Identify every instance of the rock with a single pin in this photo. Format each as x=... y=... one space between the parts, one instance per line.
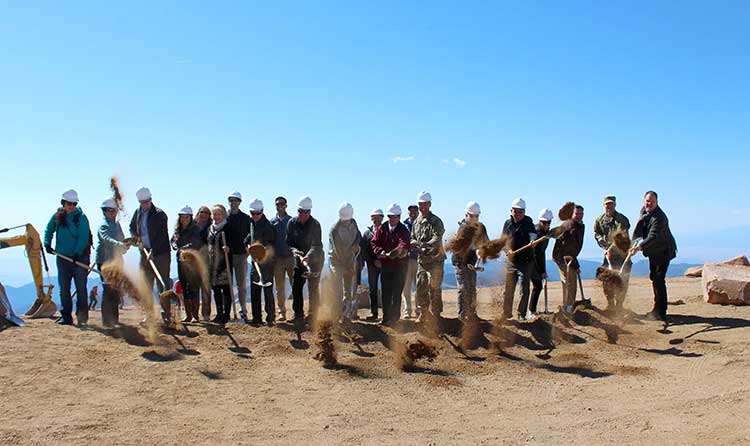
x=694 y=271
x=726 y=284
x=697 y=271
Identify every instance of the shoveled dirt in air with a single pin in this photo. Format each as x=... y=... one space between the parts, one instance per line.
x=590 y=378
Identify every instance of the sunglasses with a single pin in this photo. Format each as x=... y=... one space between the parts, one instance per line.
x=302 y=211
x=67 y=203
x=256 y=213
x=204 y=212
x=108 y=209
x=234 y=200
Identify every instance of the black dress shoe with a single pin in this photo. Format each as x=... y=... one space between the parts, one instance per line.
x=62 y=321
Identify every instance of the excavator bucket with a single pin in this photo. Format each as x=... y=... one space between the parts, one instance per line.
x=42 y=308
x=7 y=315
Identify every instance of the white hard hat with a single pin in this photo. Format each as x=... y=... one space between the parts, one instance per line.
x=394 y=209
x=70 y=195
x=109 y=203
x=236 y=195
x=472 y=208
x=305 y=203
x=346 y=211
x=376 y=212
x=187 y=210
x=256 y=205
x=545 y=215
x=424 y=197
x=518 y=203
x=143 y=194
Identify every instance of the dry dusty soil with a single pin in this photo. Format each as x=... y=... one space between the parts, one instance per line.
x=591 y=379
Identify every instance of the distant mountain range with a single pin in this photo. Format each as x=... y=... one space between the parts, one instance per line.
x=23 y=297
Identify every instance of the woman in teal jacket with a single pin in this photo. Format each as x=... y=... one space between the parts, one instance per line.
x=70 y=228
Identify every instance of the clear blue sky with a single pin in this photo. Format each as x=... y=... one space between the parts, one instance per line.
x=552 y=101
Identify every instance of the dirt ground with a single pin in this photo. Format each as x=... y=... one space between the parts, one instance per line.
x=594 y=379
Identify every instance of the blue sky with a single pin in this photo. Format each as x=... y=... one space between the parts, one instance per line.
x=485 y=101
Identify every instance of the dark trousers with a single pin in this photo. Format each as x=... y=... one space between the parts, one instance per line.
x=373 y=274
x=267 y=292
x=298 y=284
x=66 y=272
x=190 y=282
x=110 y=305
x=162 y=262
x=658 y=281
x=537 y=286
x=223 y=301
x=514 y=272
x=392 y=278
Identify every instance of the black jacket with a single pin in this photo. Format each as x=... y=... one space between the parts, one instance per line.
x=658 y=243
x=261 y=231
x=238 y=227
x=540 y=257
x=519 y=234
x=569 y=243
x=158 y=233
x=189 y=236
x=306 y=239
x=366 y=252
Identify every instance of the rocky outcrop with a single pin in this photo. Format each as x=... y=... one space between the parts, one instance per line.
x=697 y=271
x=726 y=284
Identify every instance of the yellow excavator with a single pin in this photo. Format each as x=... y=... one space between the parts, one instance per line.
x=43 y=305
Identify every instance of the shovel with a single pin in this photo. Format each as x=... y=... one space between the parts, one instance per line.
x=154 y=269
x=258 y=252
x=88 y=268
x=546 y=299
x=229 y=274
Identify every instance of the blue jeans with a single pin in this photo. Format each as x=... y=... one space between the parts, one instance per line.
x=66 y=272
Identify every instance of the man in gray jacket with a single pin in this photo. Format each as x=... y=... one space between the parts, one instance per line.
x=343 y=241
x=110 y=249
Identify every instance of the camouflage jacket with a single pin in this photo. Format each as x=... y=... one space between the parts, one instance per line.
x=605 y=226
x=427 y=234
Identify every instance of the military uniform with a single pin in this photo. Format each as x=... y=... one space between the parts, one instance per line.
x=604 y=227
x=427 y=234
x=466 y=276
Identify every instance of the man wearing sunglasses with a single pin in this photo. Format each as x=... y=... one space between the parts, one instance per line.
x=304 y=238
x=427 y=237
x=110 y=249
x=283 y=260
x=70 y=227
x=238 y=227
x=263 y=232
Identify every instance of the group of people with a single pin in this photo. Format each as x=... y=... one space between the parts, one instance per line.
x=398 y=255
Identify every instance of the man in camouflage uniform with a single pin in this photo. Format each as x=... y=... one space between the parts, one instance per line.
x=605 y=226
x=427 y=237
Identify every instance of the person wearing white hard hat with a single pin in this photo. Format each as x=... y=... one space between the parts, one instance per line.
x=464 y=265
x=520 y=231
x=238 y=227
x=391 y=246
x=411 y=269
x=565 y=254
x=371 y=260
x=427 y=237
x=261 y=232
x=187 y=235
x=283 y=260
x=70 y=228
x=149 y=224
x=343 y=249
x=305 y=239
x=111 y=248
x=539 y=273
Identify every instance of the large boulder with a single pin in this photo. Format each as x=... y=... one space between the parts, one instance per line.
x=697 y=271
x=726 y=284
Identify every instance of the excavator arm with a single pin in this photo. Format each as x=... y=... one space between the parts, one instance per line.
x=43 y=305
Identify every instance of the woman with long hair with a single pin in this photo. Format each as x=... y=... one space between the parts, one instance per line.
x=187 y=236
x=218 y=267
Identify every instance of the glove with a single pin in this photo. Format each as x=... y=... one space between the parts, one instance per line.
x=49 y=249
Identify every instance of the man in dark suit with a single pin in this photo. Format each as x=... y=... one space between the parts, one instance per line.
x=659 y=246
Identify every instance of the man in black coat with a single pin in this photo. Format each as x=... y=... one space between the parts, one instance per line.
x=520 y=230
x=263 y=232
x=149 y=223
x=238 y=227
x=659 y=246
x=305 y=239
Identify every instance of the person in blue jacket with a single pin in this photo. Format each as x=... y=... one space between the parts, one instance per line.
x=70 y=228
